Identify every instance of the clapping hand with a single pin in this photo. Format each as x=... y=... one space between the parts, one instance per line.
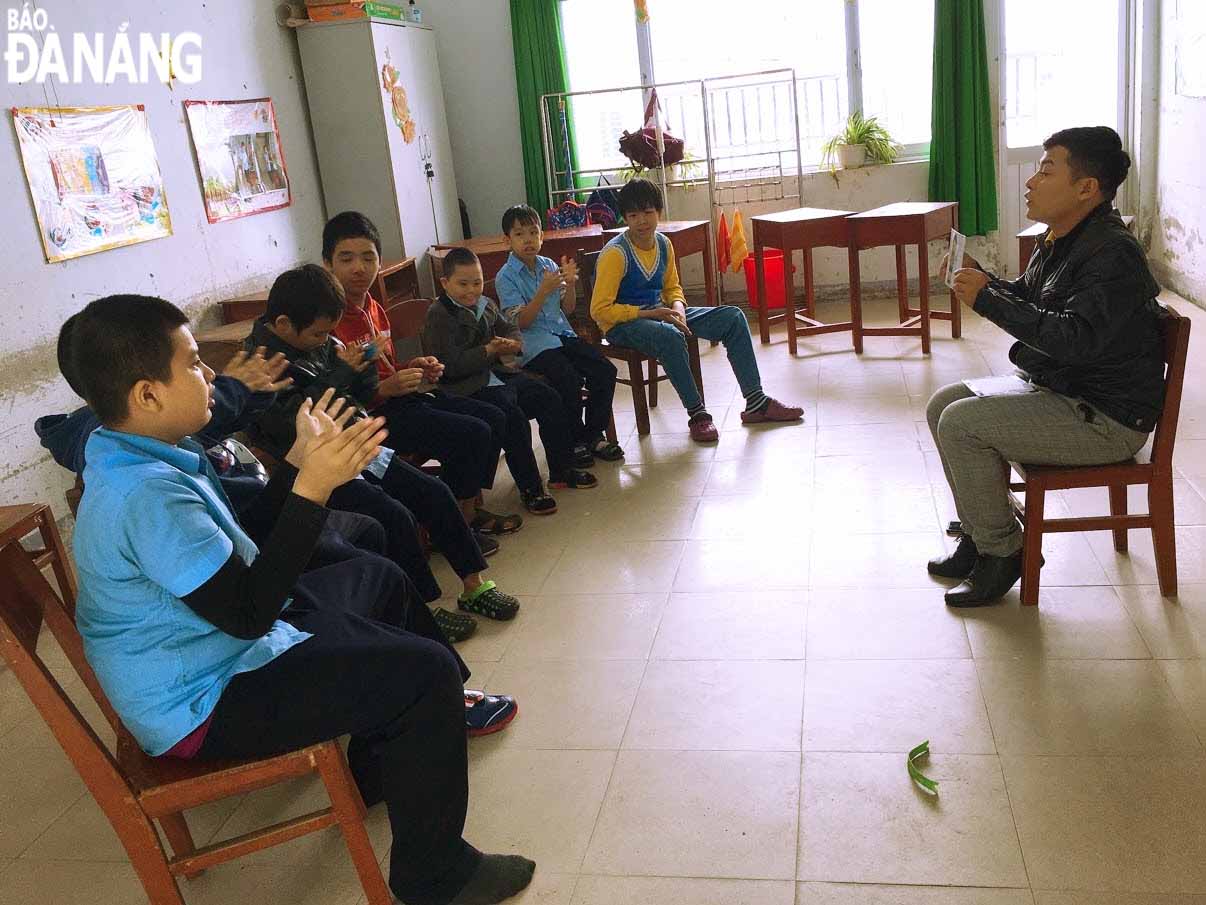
x=332 y=453
x=257 y=373
x=353 y=356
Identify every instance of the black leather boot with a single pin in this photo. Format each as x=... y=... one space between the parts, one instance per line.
x=958 y=564
x=989 y=581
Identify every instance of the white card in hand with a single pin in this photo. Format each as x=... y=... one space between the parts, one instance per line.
x=954 y=260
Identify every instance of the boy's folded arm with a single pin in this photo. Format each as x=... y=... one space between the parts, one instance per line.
x=438 y=341
x=604 y=309
x=245 y=600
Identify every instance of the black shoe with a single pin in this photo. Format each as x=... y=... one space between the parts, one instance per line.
x=606 y=450
x=572 y=479
x=537 y=502
x=989 y=581
x=485 y=543
x=582 y=457
x=958 y=564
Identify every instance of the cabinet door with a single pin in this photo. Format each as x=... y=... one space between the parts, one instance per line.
x=397 y=86
x=434 y=127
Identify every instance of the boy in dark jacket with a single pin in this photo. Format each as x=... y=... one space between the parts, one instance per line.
x=304 y=306
x=477 y=345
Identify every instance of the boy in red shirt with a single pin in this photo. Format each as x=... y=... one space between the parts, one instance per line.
x=423 y=420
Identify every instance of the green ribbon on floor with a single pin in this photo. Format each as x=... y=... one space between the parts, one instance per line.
x=915 y=774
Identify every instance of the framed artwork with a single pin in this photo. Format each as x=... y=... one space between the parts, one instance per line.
x=239 y=156
x=93 y=176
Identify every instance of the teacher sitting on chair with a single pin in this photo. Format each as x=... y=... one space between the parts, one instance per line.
x=1088 y=358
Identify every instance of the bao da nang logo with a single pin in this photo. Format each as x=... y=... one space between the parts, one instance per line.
x=35 y=51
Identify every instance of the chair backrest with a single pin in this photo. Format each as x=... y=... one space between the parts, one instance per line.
x=406 y=318
x=24 y=591
x=1175 y=328
x=588 y=262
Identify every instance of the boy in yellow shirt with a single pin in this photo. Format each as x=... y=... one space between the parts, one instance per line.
x=638 y=302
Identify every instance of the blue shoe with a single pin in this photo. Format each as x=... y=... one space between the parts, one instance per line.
x=487 y=713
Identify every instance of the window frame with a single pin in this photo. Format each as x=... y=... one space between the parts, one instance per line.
x=913 y=151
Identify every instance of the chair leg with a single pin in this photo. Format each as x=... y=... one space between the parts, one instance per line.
x=349 y=808
x=141 y=842
x=653 y=382
x=1164 y=538
x=1118 y=507
x=175 y=827
x=636 y=375
x=1032 y=545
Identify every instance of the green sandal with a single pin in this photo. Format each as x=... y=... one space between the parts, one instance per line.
x=488 y=522
x=455 y=626
x=490 y=602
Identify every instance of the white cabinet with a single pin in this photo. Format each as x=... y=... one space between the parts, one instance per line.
x=377 y=115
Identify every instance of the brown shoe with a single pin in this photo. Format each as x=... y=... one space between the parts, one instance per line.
x=774 y=411
x=702 y=429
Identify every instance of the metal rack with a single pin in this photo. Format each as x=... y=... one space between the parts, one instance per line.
x=748 y=126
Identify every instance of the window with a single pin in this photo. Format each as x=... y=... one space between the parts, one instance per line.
x=889 y=55
x=1052 y=83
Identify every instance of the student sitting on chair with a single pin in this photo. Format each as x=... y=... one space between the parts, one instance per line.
x=1089 y=356
x=538 y=294
x=638 y=302
x=211 y=647
x=304 y=307
x=423 y=419
x=475 y=343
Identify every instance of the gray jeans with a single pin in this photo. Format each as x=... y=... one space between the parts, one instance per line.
x=977 y=436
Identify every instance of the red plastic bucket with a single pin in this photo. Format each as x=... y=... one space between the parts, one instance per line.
x=772 y=266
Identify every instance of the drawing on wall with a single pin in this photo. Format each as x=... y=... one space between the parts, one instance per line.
x=240 y=157
x=1191 y=48
x=93 y=176
x=398 y=100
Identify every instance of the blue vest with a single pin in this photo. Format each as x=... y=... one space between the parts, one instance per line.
x=639 y=286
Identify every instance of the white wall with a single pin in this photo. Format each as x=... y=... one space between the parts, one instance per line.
x=477 y=67
x=1178 y=231
x=245 y=54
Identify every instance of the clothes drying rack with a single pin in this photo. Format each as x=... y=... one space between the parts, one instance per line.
x=747 y=126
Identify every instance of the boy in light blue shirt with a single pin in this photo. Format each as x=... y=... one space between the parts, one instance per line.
x=210 y=647
x=536 y=294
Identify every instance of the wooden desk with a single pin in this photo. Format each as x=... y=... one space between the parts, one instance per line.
x=687 y=237
x=494 y=250
x=901 y=224
x=804 y=228
x=1029 y=238
x=217 y=347
x=244 y=307
x=397 y=281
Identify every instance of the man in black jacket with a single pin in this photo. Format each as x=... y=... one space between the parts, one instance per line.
x=1089 y=356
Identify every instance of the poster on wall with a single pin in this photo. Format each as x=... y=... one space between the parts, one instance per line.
x=240 y=157
x=93 y=176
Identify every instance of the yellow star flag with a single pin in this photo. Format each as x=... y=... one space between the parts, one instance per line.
x=738 y=249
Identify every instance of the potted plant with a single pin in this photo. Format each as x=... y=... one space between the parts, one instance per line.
x=861 y=140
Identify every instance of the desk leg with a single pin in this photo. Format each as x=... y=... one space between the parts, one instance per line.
x=902 y=284
x=789 y=297
x=923 y=278
x=760 y=286
x=709 y=270
x=856 y=300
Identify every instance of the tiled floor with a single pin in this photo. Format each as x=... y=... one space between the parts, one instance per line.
x=723 y=655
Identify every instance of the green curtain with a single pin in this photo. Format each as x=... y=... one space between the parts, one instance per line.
x=962 y=162
x=540 y=69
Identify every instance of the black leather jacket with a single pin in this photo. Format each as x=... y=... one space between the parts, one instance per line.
x=1087 y=321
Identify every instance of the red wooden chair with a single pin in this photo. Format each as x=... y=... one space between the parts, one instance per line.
x=1153 y=466
x=135 y=790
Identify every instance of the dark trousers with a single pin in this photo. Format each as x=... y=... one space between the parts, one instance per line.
x=377 y=669
x=405 y=498
x=447 y=428
x=521 y=398
x=567 y=369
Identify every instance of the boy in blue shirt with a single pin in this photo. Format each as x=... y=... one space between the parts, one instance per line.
x=193 y=630
x=537 y=295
